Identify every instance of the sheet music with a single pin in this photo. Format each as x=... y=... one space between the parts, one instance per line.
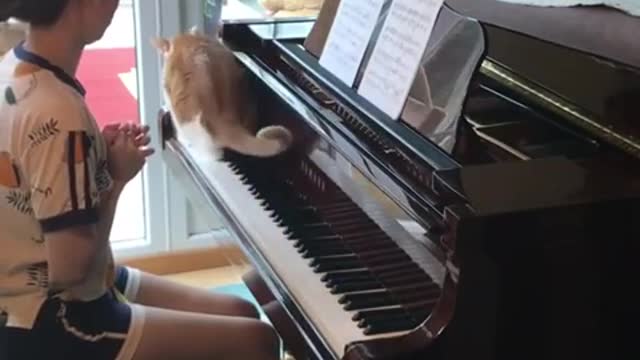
x=348 y=38
x=396 y=57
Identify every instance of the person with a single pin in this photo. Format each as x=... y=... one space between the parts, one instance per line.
x=61 y=295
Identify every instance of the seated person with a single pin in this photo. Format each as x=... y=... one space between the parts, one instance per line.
x=61 y=295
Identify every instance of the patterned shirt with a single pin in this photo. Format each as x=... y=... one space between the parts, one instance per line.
x=53 y=169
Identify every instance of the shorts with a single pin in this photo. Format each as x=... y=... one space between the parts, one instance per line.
x=103 y=329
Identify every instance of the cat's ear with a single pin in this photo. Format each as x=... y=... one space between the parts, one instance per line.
x=162 y=44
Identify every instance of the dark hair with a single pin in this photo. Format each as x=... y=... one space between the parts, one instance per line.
x=34 y=12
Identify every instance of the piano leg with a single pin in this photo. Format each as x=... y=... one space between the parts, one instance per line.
x=291 y=337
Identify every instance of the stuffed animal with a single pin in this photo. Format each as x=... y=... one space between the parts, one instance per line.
x=11 y=33
x=281 y=8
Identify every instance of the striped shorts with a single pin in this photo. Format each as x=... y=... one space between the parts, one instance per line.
x=102 y=329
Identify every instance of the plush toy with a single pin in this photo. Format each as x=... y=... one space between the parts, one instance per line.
x=281 y=8
x=11 y=33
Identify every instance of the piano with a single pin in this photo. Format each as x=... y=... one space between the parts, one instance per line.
x=497 y=219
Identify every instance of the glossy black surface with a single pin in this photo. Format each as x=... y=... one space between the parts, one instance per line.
x=535 y=185
x=534 y=219
x=606 y=91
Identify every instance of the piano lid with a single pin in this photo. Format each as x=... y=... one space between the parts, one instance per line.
x=601 y=31
x=579 y=65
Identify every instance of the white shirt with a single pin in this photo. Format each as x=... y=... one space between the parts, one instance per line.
x=52 y=170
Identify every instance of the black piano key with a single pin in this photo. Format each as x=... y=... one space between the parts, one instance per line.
x=329 y=264
x=341 y=239
x=311 y=244
x=390 y=326
x=379 y=313
x=347 y=287
x=338 y=277
x=309 y=230
x=359 y=301
x=315 y=253
x=334 y=259
x=387 y=318
x=419 y=310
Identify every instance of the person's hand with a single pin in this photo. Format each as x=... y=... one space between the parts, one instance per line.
x=140 y=133
x=126 y=157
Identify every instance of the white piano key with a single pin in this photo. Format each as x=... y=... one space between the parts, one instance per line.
x=331 y=321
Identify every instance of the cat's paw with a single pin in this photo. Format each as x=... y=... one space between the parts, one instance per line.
x=278 y=133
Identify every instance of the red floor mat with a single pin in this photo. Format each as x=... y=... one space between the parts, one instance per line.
x=107 y=96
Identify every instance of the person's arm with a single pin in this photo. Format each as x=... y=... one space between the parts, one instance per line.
x=107 y=210
x=59 y=163
x=109 y=201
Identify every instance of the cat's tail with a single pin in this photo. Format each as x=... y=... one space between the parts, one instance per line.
x=269 y=141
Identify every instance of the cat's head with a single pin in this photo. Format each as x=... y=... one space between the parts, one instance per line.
x=179 y=43
x=192 y=63
x=186 y=56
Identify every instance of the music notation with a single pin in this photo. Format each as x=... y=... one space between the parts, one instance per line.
x=348 y=38
x=397 y=55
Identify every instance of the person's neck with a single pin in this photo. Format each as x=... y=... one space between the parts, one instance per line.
x=57 y=46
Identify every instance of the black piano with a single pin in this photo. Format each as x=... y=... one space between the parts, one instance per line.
x=499 y=218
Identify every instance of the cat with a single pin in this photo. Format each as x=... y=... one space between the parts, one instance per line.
x=209 y=98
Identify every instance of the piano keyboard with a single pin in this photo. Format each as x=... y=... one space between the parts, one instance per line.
x=353 y=282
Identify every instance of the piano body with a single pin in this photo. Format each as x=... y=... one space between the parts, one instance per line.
x=498 y=219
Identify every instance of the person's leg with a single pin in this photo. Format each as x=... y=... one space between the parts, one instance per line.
x=171 y=334
x=151 y=290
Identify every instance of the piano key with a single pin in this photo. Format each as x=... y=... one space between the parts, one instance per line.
x=365 y=300
x=306 y=287
x=325 y=251
x=338 y=258
x=347 y=275
x=337 y=263
x=419 y=310
x=400 y=324
x=379 y=319
x=356 y=286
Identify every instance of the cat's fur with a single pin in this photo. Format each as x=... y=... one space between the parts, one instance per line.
x=210 y=100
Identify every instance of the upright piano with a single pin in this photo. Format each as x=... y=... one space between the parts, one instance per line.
x=499 y=218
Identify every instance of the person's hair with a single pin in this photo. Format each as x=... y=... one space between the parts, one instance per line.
x=34 y=12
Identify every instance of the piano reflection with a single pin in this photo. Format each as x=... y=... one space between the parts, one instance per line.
x=496 y=219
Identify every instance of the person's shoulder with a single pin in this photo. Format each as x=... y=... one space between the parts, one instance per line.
x=42 y=97
x=49 y=93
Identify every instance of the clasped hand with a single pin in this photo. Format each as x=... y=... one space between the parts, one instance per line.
x=128 y=149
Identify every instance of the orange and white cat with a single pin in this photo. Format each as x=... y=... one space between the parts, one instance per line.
x=210 y=101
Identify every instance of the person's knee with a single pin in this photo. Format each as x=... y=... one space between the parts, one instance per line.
x=244 y=308
x=265 y=337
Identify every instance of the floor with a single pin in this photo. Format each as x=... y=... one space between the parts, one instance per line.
x=211 y=277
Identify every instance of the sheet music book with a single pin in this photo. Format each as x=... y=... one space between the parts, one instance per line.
x=397 y=55
x=349 y=36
